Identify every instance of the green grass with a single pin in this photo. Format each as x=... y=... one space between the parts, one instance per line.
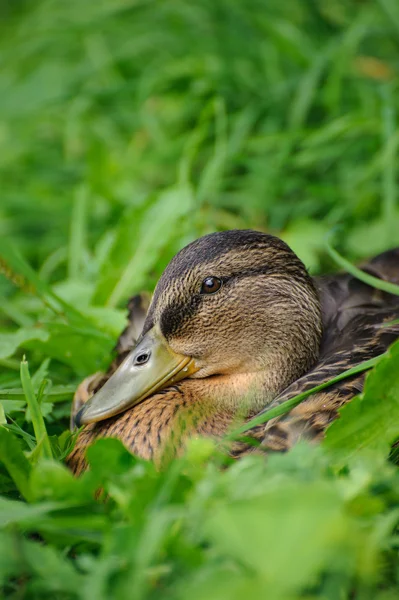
x=127 y=129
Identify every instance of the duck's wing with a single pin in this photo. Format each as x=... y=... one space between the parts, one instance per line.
x=343 y=297
x=367 y=336
x=137 y=310
x=358 y=325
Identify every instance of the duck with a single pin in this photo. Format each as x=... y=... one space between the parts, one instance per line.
x=236 y=326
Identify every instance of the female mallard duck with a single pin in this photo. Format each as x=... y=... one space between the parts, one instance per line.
x=237 y=325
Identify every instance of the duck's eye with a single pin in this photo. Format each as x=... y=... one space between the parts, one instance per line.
x=210 y=285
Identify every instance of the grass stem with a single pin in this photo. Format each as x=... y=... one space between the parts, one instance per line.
x=36 y=414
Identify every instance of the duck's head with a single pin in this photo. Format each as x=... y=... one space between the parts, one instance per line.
x=237 y=308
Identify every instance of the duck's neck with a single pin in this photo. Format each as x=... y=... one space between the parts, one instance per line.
x=162 y=423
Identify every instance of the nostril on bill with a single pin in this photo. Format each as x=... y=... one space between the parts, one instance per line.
x=77 y=418
x=142 y=358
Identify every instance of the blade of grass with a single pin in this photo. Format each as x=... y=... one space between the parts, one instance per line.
x=41 y=373
x=52 y=262
x=3 y=420
x=77 y=233
x=285 y=407
x=375 y=282
x=57 y=394
x=210 y=179
x=156 y=228
x=391 y=9
x=36 y=415
x=42 y=392
x=19 y=432
x=388 y=173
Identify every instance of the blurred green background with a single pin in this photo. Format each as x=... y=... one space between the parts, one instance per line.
x=129 y=128
x=273 y=115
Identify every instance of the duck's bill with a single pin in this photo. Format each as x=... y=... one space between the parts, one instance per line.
x=151 y=366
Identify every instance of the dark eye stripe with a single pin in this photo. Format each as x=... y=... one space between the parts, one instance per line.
x=211 y=285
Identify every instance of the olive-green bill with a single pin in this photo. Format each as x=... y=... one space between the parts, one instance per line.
x=151 y=366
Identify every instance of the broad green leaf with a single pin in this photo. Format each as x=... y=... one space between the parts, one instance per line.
x=52 y=570
x=14 y=512
x=271 y=534
x=368 y=239
x=85 y=350
x=110 y=320
x=64 y=521
x=10 y=563
x=10 y=406
x=108 y=457
x=370 y=422
x=10 y=342
x=306 y=238
x=52 y=481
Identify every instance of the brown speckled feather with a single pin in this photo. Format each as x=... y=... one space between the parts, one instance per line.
x=310 y=418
